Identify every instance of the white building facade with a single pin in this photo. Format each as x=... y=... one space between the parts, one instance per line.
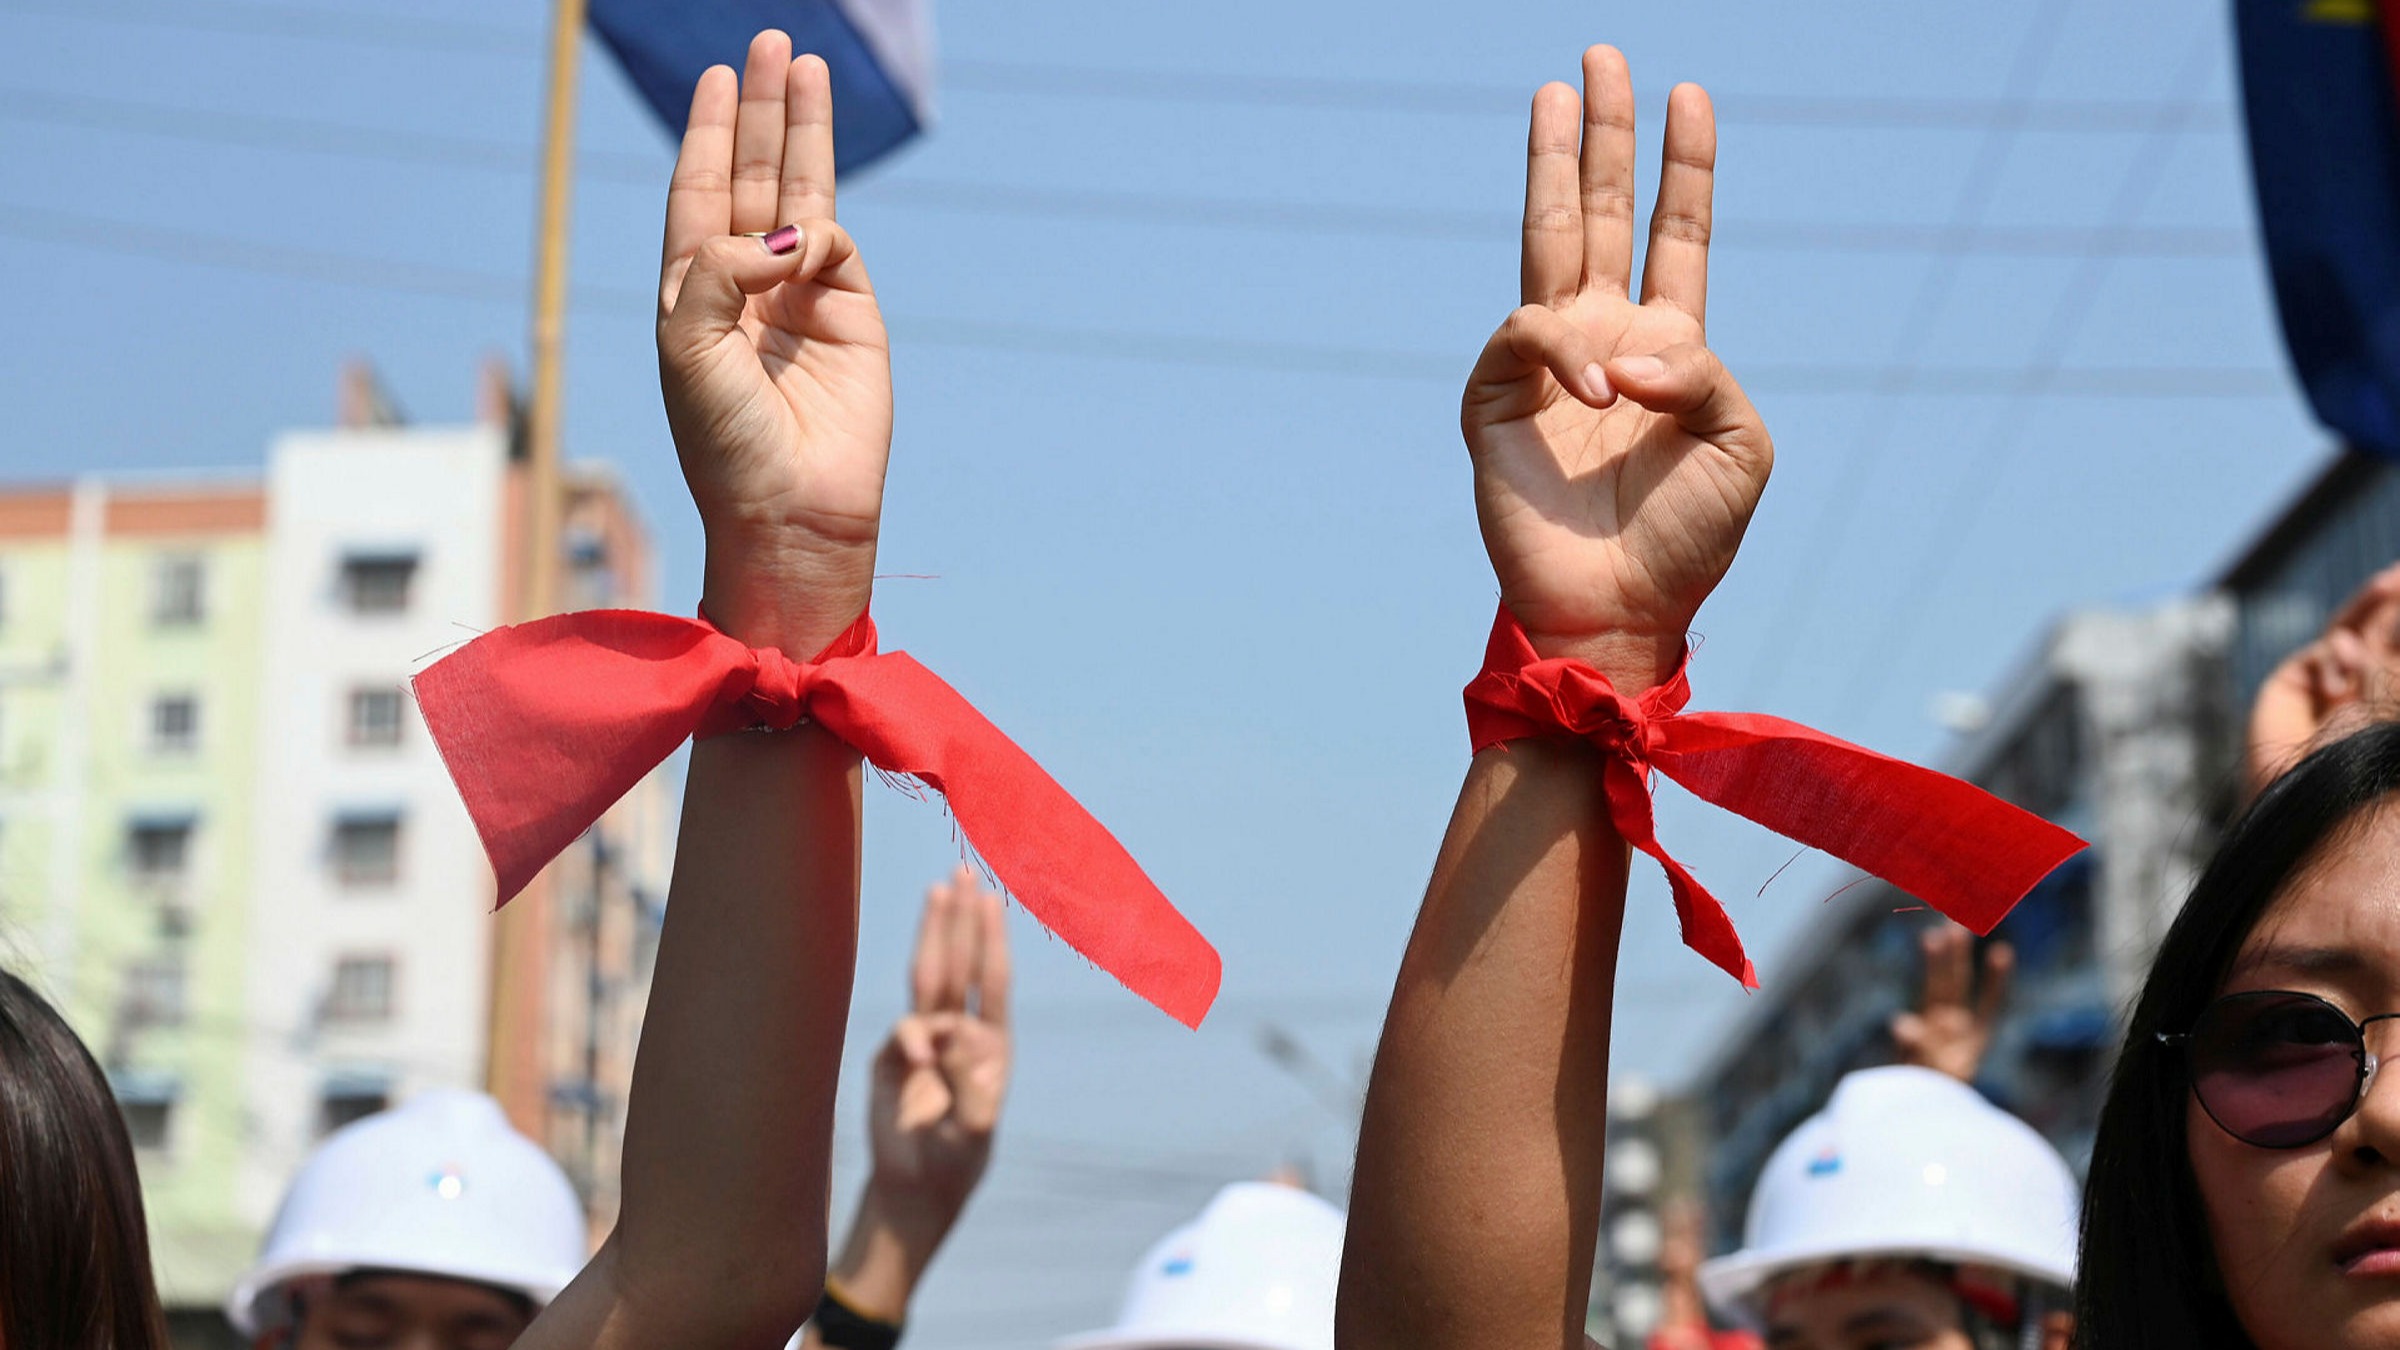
x=372 y=901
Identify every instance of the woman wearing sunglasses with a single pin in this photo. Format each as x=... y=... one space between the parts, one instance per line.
x=2245 y=1181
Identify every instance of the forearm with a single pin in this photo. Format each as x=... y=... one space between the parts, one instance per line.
x=721 y=1238
x=891 y=1240
x=1476 y=1200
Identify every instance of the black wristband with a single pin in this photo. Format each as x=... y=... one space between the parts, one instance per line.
x=846 y=1328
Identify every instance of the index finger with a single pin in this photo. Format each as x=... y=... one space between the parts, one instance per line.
x=1552 y=268
x=926 y=972
x=700 y=194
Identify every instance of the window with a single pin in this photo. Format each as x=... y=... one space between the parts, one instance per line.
x=147 y=1100
x=350 y=1098
x=159 y=850
x=375 y=716
x=177 y=586
x=377 y=583
x=366 y=849
x=174 y=724
x=153 y=995
x=362 y=990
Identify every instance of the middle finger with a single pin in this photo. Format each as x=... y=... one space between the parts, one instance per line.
x=758 y=134
x=1605 y=171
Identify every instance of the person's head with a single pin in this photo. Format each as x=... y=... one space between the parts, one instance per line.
x=432 y=1226
x=1893 y=1303
x=1256 y=1271
x=1910 y=1212
x=403 y=1310
x=74 y=1251
x=2236 y=1199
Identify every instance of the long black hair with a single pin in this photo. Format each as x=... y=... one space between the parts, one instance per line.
x=2147 y=1276
x=74 y=1250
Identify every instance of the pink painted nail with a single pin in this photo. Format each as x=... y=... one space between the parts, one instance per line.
x=780 y=242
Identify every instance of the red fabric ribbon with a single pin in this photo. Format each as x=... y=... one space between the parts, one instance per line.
x=544 y=725
x=1949 y=843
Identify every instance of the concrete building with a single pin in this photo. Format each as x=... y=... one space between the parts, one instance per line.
x=2123 y=725
x=228 y=850
x=129 y=633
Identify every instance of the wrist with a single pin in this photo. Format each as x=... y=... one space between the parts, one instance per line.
x=1633 y=662
x=786 y=596
x=893 y=1237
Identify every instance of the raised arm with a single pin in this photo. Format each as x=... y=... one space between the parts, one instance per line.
x=940 y=1079
x=1616 y=467
x=778 y=391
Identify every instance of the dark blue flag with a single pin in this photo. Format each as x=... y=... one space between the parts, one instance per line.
x=879 y=52
x=2325 y=153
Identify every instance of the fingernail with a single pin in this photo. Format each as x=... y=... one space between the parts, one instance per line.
x=780 y=242
x=1641 y=367
x=1595 y=380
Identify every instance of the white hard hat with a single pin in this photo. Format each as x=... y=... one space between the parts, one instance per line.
x=439 y=1185
x=1256 y=1271
x=1906 y=1163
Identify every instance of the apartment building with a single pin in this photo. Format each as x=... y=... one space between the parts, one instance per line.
x=230 y=854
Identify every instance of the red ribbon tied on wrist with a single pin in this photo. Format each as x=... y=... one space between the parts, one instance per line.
x=544 y=725
x=1958 y=848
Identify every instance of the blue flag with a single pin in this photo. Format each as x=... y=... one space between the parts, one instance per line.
x=2317 y=86
x=880 y=52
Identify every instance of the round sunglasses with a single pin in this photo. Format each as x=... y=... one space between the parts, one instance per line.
x=2277 y=1069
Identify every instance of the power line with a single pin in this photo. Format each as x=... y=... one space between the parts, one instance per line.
x=207 y=126
x=99 y=234
x=1505 y=100
x=261 y=18
x=1914 y=336
x=267 y=18
x=1973 y=493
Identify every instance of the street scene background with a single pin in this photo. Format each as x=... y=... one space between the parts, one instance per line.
x=1181 y=301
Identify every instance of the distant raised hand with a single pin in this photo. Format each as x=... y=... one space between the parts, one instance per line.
x=1952 y=1026
x=939 y=1082
x=2349 y=673
x=1616 y=462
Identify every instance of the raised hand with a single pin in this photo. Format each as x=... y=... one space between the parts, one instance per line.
x=1950 y=1031
x=773 y=356
x=1616 y=463
x=942 y=1074
x=938 y=1085
x=2347 y=674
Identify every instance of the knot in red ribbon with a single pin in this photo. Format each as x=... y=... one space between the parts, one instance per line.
x=771 y=691
x=1959 y=849
x=775 y=701
x=544 y=725
x=1589 y=708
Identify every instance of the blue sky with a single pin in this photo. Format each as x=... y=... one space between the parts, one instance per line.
x=1179 y=333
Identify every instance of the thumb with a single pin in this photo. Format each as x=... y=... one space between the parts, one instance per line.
x=910 y=1045
x=1533 y=339
x=706 y=302
x=1688 y=383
